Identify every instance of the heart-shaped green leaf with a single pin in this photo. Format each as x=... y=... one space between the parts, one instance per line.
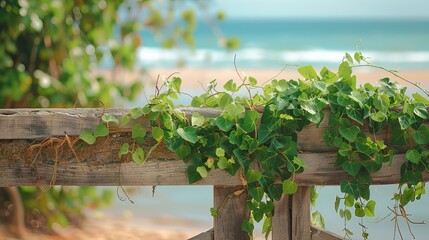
x=87 y=136
x=188 y=133
x=157 y=133
x=349 y=133
x=138 y=156
x=289 y=187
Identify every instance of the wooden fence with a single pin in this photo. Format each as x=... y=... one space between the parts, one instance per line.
x=36 y=150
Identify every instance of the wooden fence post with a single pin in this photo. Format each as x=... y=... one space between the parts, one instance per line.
x=282 y=219
x=301 y=214
x=233 y=210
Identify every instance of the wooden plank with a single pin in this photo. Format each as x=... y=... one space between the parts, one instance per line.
x=318 y=233
x=232 y=205
x=301 y=214
x=282 y=222
x=30 y=123
x=99 y=166
x=47 y=122
x=209 y=235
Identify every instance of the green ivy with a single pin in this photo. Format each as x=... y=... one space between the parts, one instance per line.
x=264 y=144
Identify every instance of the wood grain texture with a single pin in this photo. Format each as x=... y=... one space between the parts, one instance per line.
x=29 y=123
x=232 y=209
x=301 y=214
x=282 y=222
x=318 y=233
x=98 y=165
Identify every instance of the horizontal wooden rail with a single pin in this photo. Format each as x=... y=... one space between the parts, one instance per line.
x=98 y=165
x=26 y=161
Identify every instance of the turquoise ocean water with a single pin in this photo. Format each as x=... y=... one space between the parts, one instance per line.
x=272 y=44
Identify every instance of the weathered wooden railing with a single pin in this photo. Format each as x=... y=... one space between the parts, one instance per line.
x=36 y=150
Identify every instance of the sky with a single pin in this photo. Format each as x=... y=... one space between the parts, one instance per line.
x=361 y=9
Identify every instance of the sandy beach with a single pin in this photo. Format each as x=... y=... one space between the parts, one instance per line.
x=197 y=78
x=114 y=228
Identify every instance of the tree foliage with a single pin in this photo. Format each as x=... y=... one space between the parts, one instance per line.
x=48 y=51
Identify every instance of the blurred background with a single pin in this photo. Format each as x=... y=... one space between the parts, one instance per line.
x=111 y=53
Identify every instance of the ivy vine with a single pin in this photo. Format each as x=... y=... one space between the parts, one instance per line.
x=256 y=136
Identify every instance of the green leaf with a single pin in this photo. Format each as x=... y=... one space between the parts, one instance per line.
x=328 y=76
x=202 y=171
x=289 y=187
x=188 y=133
x=349 y=133
x=197 y=119
x=183 y=151
x=138 y=132
x=337 y=203
x=214 y=212
x=413 y=156
x=358 y=97
x=355 y=114
x=421 y=111
x=350 y=187
x=359 y=211
x=276 y=191
x=248 y=123
x=422 y=135
x=309 y=106
x=257 y=193
x=223 y=163
x=321 y=86
x=136 y=112
x=350 y=233
x=308 y=72
x=230 y=86
x=87 y=136
x=419 y=98
x=405 y=121
x=351 y=167
x=125 y=120
x=225 y=100
x=157 y=133
x=220 y=152
x=107 y=118
x=349 y=200
x=234 y=110
x=138 y=156
x=358 y=56
x=192 y=174
x=381 y=103
x=252 y=175
x=378 y=116
x=101 y=130
x=124 y=149
x=370 y=209
x=349 y=58
x=298 y=161
x=317 y=219
x=224 y=124
x=347 y=214
x=252 y=81
x=175 y=84
x=345 y=149
x=247 y=227
x=267 y=226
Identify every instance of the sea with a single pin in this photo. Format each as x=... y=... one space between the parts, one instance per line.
x=396 y=44
x=393 y=44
